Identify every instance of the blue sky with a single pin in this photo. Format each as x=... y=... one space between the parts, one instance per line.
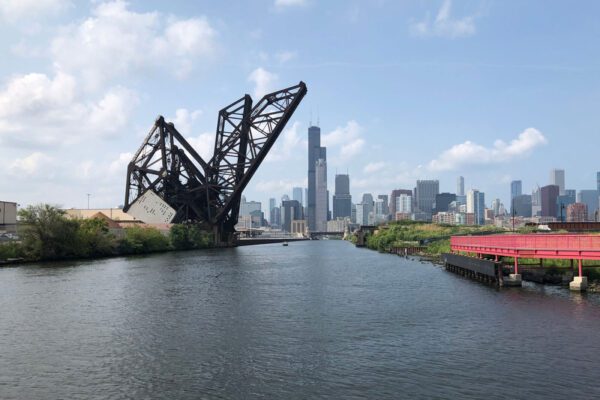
x=491 y=90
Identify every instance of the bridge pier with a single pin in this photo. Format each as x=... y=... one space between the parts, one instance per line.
x=515 y=278
x=579 y=283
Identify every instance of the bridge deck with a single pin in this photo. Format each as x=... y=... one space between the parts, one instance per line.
x=554 y=246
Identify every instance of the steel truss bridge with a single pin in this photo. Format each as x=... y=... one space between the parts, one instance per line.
x=209 y=192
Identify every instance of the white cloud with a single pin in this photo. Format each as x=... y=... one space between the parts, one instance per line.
x=279 y=185
x=469 y=153
x=351 y=149
x=24 y=10
x=286 y=56
x=29 y=165
x=289 y=3
x=116 y=41
x=289 y=145
x=204 y=145
x=264 y=81
x=374 y=167
x=184 y=120
x=444 y=25
x=347 y=137
x=119 y=165
x=38 y=110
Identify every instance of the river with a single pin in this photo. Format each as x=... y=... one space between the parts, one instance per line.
x=318 y=319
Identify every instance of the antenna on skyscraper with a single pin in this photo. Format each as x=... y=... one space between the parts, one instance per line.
x=318 y=122
x=310 y=122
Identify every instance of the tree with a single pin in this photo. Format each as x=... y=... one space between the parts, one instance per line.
x=48 y=234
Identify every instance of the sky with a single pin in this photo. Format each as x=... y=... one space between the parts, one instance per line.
x=402 y=90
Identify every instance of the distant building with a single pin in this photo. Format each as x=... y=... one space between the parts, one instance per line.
x=404 y=204
x=460 y=186
x=496 y=207
x=394 y=196
x=536 y=202
x=8 y=216
x=275 y=217
x=516 y=189
x=298 y=227
x=557 y=177
x=342 y=200
x=426 y=191
x=590 y=198
x=577 y=212
x=385 y=207
x=338 y=225
x=443 y=200
x=247 y=207
x=291 y=211
x=322 y=197
x=379 y=210
x=598 y=181
x=315 y=153
x=297 y=195
x=362 y=213
x=402 y=216
x=476 y=206
x=522 y=206
x=562 y=201
x=549 y=195
x=272 y=205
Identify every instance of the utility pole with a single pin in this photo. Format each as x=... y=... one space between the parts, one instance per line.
x=512 y=209
x=88 y=196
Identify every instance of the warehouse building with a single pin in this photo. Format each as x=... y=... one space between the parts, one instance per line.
x=8 y=216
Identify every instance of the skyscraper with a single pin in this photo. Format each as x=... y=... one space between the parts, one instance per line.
x=460 y=186
x=342 y=200
x=522 y=206
x=549 y=194
x=591 y=199
x=425 y=194
x=315 y=153
x=443 y=200
x=322 y=197
x=516 y=189
x=536 y=201
x=291 y=210
x=385 y=207
x=598 y=181
x=297 y=194
x=557 y=177
x=476 y=205
x=271 y=207
x=393 y=198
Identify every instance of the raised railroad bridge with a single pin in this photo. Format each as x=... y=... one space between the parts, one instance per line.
x=577 y=247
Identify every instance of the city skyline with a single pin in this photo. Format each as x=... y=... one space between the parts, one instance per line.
x=73 y=111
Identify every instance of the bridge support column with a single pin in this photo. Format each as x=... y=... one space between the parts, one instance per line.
x=514 y=279
x=579 y=283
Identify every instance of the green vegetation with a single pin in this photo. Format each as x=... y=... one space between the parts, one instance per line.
x=436 y=238
x=189 y=236
x=48 y=234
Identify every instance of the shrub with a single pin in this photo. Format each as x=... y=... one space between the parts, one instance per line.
x=140 y=240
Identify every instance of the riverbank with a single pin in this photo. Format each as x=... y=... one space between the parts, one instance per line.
x=429 y=241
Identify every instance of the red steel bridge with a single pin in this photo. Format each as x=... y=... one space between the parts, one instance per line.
x=539 y=246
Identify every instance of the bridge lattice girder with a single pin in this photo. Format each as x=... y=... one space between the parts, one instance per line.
x=210 y=192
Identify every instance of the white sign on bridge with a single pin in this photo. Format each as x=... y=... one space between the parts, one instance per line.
x=151 y=209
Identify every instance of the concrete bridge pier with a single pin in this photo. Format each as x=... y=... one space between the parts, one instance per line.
x=514 y=279
x=579 y=283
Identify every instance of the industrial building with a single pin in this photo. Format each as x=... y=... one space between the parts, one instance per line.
x=8 y=216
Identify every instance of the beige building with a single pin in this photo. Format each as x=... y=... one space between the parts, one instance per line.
x=298 y=227
x=116 y=214
x=8 y=216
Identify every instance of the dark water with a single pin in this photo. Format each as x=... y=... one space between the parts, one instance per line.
x=312 y=320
